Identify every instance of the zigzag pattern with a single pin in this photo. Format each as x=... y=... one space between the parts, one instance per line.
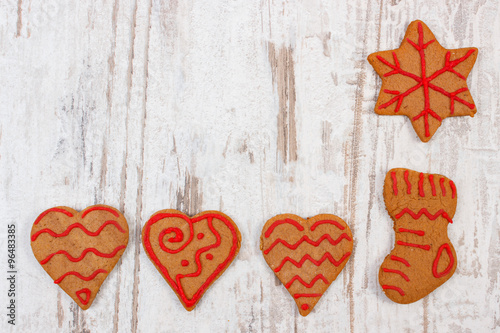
x=307 y=257
x=423 y=211
x=308 y=240
x=77 y=225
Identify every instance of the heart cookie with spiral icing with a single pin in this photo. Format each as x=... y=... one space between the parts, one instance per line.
x=79 y=249
x=191 y=252
x=306 y=255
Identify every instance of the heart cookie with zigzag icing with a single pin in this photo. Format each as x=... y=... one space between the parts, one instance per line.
x=79 y=249
x=306 y=255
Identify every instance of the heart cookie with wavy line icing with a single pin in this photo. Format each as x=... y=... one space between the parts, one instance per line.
x=79 y=249
x=306 y=255
x=191 y=252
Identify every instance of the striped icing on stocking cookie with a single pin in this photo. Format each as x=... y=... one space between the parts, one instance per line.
x=422 y=206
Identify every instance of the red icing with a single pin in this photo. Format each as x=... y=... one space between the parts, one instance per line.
x=58 y=210
x=443 y=190
x=317 y=242
x=306 y=257
x=393 y=92
x=175 y=284
x=421 y=185
x=200 y=235
x=395 y=258
x=210 y=256
x=396 y=272
x=335 y=223
x=84 y=253
x=394 y=183
x=270 y=230
x=184 y=263
x=453 y=189
x=423 y=247
x=306 y=295
x=307 y=285
x=78 y=275
x=399 y=290
x=108 y=209
x=435 y=272
x=77 y=225
x=433 y=187
x=416 y=232
x=408 y=185
x=179 y=236
x=423 y=211
x=85 y=291
x=424 y=81
x=308 y=240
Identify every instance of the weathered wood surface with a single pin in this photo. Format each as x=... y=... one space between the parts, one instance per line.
x=252 y=108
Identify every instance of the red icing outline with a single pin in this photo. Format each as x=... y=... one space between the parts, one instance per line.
x=306 y=295
x=423 y=247
x=179 y=236
x=443 y=189
x=399 y=290
x=108 y=209
x=87 y=293
x=55 y=209
x=394 y=183
x=81 y=277
x=453 y=189
x=421 y=185
x=387 y=270
x=84 y=253
x=408 y=191
x=404 y=261
x=270 y=230
x=77 y=225
x=333 y=222
x=416 y=232
x=307 y=285
x=422 y=211
x=446 y=247
x=433 y=187
x=306 y=257
x=176 y=286
x=305 y=238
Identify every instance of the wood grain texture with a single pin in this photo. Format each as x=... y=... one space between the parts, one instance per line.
x=254 y=109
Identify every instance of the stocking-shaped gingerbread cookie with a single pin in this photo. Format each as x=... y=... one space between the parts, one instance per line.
x=422 y=206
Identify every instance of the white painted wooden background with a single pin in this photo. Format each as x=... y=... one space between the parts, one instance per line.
x=254 y=108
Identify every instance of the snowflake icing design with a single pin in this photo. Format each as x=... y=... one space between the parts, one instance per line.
x=445 y=88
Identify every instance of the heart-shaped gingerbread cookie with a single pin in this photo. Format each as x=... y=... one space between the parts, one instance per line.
x=191 y=252
x=79 y=249
x=306 y=255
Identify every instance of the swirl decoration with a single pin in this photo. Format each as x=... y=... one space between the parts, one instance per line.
x=176 y=238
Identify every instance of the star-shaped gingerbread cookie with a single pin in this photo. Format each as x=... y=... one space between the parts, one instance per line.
x=424 y=81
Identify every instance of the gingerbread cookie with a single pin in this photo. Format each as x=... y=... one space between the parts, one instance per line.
x=191 y=252
x=422 y=206
x=79 y=249
x=424 y=81
x=306 y=255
